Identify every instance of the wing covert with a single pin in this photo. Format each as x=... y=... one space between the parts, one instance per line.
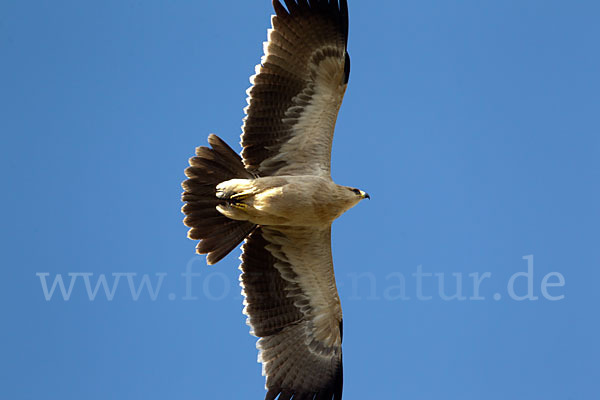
x=297 y=90
x=293 y=307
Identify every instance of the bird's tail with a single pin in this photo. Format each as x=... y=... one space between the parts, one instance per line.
x=218 y=234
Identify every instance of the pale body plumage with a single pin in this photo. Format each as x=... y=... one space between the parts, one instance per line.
x=286 y=200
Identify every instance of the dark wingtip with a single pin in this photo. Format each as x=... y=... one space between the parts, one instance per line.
x=291 y=5
x=345 y=20
x=344 y=16
x=280 y=10
x=347 y=68
x=331 y=392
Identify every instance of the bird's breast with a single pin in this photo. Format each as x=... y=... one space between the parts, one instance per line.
x=294 y=201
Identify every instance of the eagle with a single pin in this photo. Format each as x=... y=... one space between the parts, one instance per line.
x=279 y=198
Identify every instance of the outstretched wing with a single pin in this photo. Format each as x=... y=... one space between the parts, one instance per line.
x=297 y=90
x=293 y=306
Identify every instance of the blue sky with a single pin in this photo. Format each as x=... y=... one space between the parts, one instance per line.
x=473 y=125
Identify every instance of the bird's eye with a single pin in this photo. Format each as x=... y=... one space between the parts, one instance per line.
x=356 y=191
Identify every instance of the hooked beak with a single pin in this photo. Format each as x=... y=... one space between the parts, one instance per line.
x=365 y=195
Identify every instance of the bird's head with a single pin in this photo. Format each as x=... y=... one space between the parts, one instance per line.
x=346 y=197
x=352 y=196
x=359 y=194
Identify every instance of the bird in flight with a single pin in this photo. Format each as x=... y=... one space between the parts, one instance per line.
x=279 y=198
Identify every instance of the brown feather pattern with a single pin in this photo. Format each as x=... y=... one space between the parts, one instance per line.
x=307 y=40
x=280 y=314
x=218 y=234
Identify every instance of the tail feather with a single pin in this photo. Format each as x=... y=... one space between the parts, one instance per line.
x=218 y=245
x=218 y=234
